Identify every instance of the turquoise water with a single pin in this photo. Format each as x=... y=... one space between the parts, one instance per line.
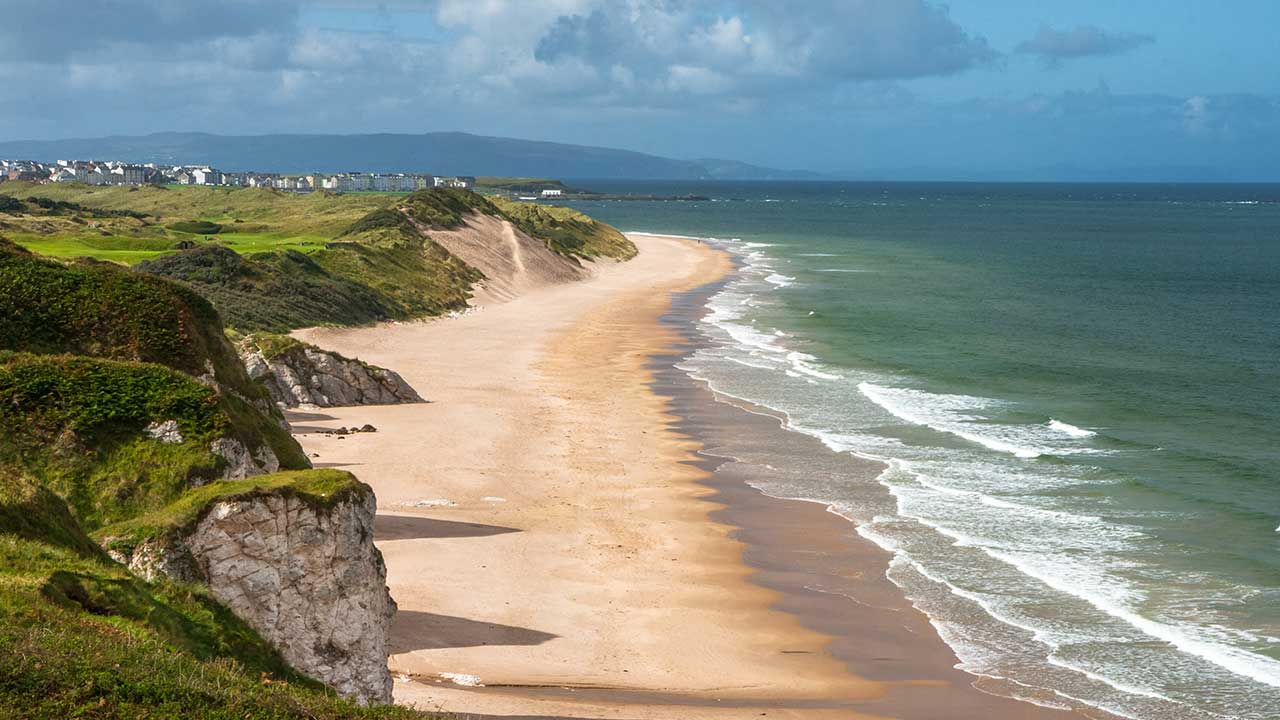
x=1077 y=391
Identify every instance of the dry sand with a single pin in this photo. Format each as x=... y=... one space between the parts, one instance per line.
x=545 y=530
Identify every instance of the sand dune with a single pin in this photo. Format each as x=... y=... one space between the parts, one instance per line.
x=515 y=266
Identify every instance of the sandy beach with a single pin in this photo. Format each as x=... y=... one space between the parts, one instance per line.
x=558 y=548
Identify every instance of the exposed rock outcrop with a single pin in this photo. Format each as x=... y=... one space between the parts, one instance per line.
x=305 y=575
x=241 y=463
x=301 y=374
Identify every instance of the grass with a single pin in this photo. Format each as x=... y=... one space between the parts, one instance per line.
x=317 y=488
x=414 y=277
x=445 y=207
x=76 y=424
x=122 y=250
x=518 y=184
x=272 y=345
x=281 y=261
x=101 y=310
x=82 y=637
x=252 y=219
x=196 y=227
x=276 y=291
x=568 y=231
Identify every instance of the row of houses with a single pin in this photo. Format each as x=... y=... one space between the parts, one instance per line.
x=114 y=172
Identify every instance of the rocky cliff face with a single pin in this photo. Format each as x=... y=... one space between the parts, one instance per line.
x=306 y=375
x=306 y=577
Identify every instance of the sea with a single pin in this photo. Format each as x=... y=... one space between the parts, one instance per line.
x=1075 y=392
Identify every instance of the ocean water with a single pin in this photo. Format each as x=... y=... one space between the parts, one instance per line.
x=1076 y=391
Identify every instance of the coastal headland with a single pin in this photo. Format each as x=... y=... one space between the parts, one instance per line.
x=559 y=548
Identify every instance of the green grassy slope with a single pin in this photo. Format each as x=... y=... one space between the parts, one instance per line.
x=103 y=310
x=77 y=424
x=276 y=261
x=567 y=231
x=275 y=291
x=90 y=355
x=82 y=637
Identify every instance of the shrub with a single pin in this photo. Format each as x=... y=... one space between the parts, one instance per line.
x=196 y=227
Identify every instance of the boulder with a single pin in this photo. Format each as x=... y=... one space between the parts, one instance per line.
x=302 y=374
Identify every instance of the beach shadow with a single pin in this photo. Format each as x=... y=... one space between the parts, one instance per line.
x=413 y=630
x=401 y=527
x=297 y=429
x=295 y=416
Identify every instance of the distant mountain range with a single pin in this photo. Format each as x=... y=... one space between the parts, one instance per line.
x=441 y=153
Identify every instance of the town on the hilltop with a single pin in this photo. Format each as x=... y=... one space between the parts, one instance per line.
x=115 y=172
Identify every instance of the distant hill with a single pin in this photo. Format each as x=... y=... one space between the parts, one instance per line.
x=443 y=153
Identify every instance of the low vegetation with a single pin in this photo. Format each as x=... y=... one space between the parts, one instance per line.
x=114 y=386
x=80 y=636
x=317 y=488
x=100 y=309
x=275 y=261
x=198 y=227
x=275 y=291
x=567 y=231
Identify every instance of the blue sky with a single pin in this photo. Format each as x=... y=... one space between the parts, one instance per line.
x=858 y=88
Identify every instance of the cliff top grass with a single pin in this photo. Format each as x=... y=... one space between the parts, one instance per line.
x=43 y=397
x=271 y=345
x=320 y=489
x=102 y=310
x=276 y=261
x=78 y=426
x=82 y=637
x=518 y=184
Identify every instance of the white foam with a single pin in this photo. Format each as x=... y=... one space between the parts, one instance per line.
x=461 y=679
x=780 y=280
x=1070 y=429
x=962 y=507
x=802 y=362
x=1236 y=660
x=939 y=412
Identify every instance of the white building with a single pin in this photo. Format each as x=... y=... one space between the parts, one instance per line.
x=128 y=175
x=206 y=176
x=552 y=193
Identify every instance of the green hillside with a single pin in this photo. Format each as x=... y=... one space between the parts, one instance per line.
x=113 y=387
x=275 y=261
x=80 y=636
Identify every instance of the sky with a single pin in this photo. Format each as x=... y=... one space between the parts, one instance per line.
x=1159 y=89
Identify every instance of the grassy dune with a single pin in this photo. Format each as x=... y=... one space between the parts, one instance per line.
x=275 y=261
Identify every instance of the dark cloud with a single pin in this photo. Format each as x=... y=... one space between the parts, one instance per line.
x=1054 y=46
x=49 y=31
